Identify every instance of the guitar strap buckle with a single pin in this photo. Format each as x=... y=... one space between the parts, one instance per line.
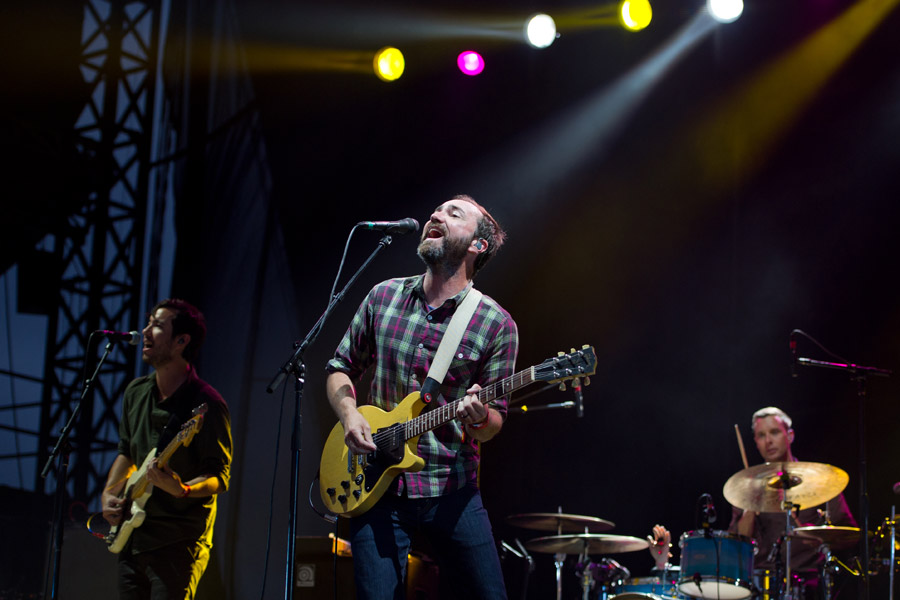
x=429 y=389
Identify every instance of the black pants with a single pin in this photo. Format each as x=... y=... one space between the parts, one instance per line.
x=169 y=573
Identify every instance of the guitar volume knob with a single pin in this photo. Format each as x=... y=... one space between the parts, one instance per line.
x=358 y=480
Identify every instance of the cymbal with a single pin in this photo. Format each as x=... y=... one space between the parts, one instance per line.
x=560 y=522
x=835 y=536
x=591 y=543
x=765 y=487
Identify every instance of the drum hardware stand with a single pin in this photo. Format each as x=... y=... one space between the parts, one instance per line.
x=832 y=565
x=587 y=579
x=521 y=553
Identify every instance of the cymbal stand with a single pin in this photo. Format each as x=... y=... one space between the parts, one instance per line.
x=788 y=527
x=828 y=569
x=587 y=576
x=558 y=559
x=893 y=552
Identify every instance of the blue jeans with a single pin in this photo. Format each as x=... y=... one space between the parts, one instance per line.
x=459 y=530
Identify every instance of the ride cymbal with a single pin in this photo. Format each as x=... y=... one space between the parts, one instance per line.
x=766 y=487
x=560 y=523
x=836 y=536
x=589 y=543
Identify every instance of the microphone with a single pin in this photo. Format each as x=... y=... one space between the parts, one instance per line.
x=579 y=398
x=391 y=227
x=132 y=337
x=711 y=510
x=793 y=344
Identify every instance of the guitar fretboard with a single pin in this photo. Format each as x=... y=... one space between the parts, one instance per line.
x=445 y=414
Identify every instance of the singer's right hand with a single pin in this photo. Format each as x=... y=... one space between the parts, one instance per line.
x=358 y=433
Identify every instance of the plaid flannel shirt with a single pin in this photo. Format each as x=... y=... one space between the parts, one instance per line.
x=397 y=332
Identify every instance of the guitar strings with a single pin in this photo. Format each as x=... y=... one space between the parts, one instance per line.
x=485 y=396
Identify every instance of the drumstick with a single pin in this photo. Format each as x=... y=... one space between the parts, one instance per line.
x=737 y=432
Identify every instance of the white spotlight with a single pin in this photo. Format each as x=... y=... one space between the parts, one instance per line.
x=725 y=11
x=540 y=30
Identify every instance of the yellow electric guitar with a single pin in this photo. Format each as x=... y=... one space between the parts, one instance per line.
x=137 y=488
x=351 y=483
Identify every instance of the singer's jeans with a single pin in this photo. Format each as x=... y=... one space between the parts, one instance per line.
x=459 y=530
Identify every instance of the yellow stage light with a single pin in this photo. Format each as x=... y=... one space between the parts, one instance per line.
x=635 y=14
x=389 y=64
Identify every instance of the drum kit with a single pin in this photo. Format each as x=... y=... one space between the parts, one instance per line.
x=715 y=565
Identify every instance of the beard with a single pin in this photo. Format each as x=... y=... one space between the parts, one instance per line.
x=447 y=256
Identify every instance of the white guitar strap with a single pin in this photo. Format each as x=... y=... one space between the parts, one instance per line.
x=449 y=343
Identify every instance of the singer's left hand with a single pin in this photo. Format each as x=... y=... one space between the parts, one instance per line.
x=470 y=410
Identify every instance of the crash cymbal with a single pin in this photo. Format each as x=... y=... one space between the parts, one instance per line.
x=765 y=487
x=560 y=523
x=835 y=536
x=590 y=543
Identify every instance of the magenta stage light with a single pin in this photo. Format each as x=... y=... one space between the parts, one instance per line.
x=470 y=62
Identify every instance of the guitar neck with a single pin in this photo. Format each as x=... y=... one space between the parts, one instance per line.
x=444 y=414
x=164 y=456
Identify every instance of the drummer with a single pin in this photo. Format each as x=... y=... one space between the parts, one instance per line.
x=773 y=435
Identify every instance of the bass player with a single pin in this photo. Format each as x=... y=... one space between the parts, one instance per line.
x=165 y=556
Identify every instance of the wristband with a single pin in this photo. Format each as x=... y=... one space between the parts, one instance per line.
x=481 y=424
x=185 y=491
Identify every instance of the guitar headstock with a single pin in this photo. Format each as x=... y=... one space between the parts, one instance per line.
x=575 y=364
x=192 y=425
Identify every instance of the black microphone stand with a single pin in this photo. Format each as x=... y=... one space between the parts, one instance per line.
x=859 y=374
x=294 y=366
x=62 y=449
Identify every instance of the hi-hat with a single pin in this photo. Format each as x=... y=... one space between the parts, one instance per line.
x=765 y=488
x=587 y=543
x=836 y=536
x=560 y=523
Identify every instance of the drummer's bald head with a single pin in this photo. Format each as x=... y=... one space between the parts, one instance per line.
x=771 y=411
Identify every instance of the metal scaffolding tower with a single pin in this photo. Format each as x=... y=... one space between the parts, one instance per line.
x=99 y=252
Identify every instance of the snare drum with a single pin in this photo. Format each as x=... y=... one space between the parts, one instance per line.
x=642 y=588
x=716 y=565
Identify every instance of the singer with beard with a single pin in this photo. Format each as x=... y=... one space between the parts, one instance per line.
x=395 y=333
x=165 y=557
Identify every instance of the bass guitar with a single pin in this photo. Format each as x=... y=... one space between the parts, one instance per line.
x=137 y=489
x=350 y=484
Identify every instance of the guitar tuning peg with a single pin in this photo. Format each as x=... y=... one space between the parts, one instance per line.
x=571 y=350
x=560 y=353
x=587 y=381
x=562 y=386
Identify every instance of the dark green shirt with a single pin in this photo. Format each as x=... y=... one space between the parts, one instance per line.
x=144 y=418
